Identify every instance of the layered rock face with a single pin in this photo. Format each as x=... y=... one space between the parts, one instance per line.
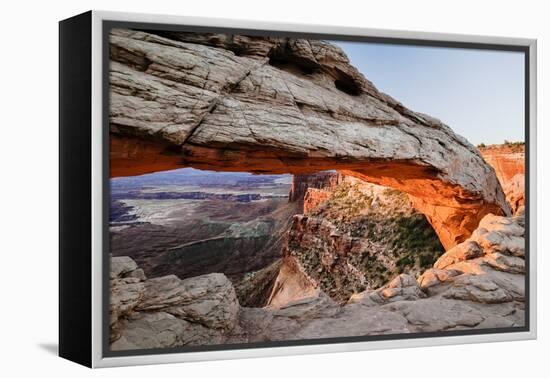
x=478 y=284
x=508 y=161
x=166 y=311
x=314 y=198
x=358 y=236
x=302 y=184
x=280 y=105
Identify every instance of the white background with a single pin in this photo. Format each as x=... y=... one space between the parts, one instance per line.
x=28 y=154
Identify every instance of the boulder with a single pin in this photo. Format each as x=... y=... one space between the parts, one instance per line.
x=510 y=264
x=461 y=252
x=402 y=288
x=434 y=277
x=126 y=295
x=121 y=266
x=209 y=299
x=500 y=234
x=478 y=288
x=161 y=330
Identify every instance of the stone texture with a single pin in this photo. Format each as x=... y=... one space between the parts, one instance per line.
x=125 y=297
x=121 y=266
x=461 y=252
x=508 y=160
x=355 y=323
x=209 y=299
x=477 y=288
x=162 y=330
x=402 y=288
x=314 y=198
x=292 y=284
x=498 y=240
x=436 y=314
x=301 y=184
x=500 y=234
x=434 y=277
x=126 y=291
x=280 y=105
x=286 y=105
x=510 y=264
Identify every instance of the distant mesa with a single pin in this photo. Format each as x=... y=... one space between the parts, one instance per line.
x=197 y=195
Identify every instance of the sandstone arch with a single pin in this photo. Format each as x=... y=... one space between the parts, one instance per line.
x=276 y=105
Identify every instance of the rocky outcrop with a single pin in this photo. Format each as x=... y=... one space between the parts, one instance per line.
x=480 y=284
x=127 y=290
x=256 y=287
x=291 y=284
x=301 y=184
x=314 y=198
x=280 y=105
x=359 y=237
x=508 y=160
x=167 y=311
x=314 y=189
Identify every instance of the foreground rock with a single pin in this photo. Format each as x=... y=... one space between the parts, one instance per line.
x=478 y=284
x=172 y=312
x=279 y=105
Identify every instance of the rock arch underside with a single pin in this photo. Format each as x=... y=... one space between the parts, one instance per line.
x=279 y=105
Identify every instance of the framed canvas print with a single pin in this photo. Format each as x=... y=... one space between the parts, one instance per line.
x=232 y=189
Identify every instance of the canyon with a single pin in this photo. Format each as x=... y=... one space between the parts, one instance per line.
x=475 y=285
x=386 y=220
x=353 y=236
x=189 y=222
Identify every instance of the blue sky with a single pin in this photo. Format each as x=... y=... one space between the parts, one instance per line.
x=478 y=93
